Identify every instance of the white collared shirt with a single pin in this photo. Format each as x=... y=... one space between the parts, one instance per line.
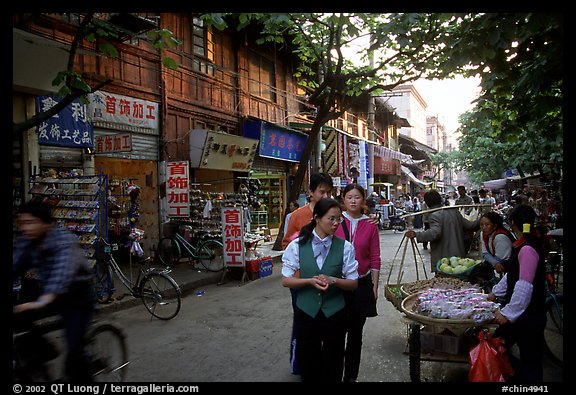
x=291 y=259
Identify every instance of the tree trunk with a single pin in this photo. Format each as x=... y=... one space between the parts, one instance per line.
x=319 y=121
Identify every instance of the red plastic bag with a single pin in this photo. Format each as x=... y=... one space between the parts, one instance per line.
x=504 y=363
x=489 y=361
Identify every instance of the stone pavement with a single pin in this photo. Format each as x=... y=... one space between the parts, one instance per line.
x=189 y=277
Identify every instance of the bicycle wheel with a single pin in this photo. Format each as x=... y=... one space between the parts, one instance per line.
x=169 y=251
x=104 y=285
x=106 y=346
x=554 y=331
x=161 y=295
x=211 y=255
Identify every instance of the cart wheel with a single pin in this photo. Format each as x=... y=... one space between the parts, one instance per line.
x=414 y=352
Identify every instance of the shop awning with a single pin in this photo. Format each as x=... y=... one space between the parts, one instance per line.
x=495 y=184
x=413 y=178
x=387 y=153
x=304 y=125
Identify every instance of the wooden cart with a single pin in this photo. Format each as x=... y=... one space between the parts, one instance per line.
x=446 y=348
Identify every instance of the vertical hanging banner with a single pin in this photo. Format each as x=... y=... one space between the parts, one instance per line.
x=71 y=127
x=233 y=236
x=177 y=191
x=364 y=167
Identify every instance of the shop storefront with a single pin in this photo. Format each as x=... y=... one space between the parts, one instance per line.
x=126 y=147
x=59 y=170
x=279 y=151
x=216 y=177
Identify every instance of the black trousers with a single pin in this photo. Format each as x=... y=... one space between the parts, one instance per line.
x=320 y=346
x=75 y=309
x=293 y=360
x=353 y=352
x=528 y=334
x=426 y=227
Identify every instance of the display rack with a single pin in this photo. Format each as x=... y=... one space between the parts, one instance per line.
x=271 y=194
x=259 y=219
x=119 y=205
x=79 y=205
x=206 y=220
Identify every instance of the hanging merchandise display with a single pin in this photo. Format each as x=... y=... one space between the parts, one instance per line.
x=270 y=195
x=124 y=218
x=79 y=203
x=133 y=214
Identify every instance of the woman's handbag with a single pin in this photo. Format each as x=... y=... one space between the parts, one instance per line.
x=364 y=299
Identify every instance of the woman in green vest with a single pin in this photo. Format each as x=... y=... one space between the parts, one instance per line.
x=327 y=266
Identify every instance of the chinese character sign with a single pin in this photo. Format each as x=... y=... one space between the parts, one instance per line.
x=280 y=143
x=233 y=236
x=123 y=110
x=113 y=143
x=177 y=194
x=71 y=127
x=364 y=164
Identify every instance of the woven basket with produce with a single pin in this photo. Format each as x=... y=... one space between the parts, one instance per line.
x=456 y=267
x=444 y=306
x=435 y=282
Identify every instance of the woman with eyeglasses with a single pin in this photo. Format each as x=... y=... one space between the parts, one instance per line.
x=328 y=267
x=361 y=303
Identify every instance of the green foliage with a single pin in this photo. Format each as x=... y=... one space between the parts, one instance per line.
x=517 y=120
x=520 y=106
x=71 y=82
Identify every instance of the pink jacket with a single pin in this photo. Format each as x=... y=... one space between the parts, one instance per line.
x=366 y=241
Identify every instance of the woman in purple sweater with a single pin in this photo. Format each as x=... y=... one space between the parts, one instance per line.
x=361 y=303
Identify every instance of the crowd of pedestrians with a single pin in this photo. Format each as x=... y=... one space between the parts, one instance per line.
x=332 y=259
x=331 y=265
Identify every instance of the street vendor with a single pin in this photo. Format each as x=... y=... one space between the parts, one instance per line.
x=522 y=318
x=447 y=229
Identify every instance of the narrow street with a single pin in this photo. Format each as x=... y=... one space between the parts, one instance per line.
x=235 y=333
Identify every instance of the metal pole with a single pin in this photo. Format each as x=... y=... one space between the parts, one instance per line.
x=370 y=120
x=318 y=149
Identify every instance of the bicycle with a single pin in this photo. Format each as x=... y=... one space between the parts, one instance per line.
x=554 y=331
x=105 y=345
x=159 y=292
x=209 y=252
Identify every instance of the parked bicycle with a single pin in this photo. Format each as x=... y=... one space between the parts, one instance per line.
x=554 y=331
x=209 y=252
x=159 y=292
x=105 y=345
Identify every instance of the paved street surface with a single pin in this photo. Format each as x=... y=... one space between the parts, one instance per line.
x=234 y=333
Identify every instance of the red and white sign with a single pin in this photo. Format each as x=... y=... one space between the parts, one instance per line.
x=123 y=110
x=233 y=236
x=113 y=143
x=177 y=191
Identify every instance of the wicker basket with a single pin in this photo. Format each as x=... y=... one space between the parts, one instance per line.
x=393 y=294
x=465 y=275
x=407 y=307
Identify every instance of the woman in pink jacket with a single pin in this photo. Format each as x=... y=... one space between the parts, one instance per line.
x=361 y=303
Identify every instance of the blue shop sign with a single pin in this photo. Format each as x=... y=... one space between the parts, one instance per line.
x=69 y=128
x=280 y=143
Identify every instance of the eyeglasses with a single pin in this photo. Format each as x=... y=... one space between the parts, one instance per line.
x=336 y=220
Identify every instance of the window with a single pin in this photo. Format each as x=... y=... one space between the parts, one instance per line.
x=202 y=40
x=262 y=77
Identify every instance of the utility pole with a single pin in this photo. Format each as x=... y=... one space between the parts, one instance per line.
x=370 y=119
x=318 y=160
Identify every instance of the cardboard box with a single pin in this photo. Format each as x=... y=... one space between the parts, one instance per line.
x=266 y=266
x=253 y=265
x=445 y=342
